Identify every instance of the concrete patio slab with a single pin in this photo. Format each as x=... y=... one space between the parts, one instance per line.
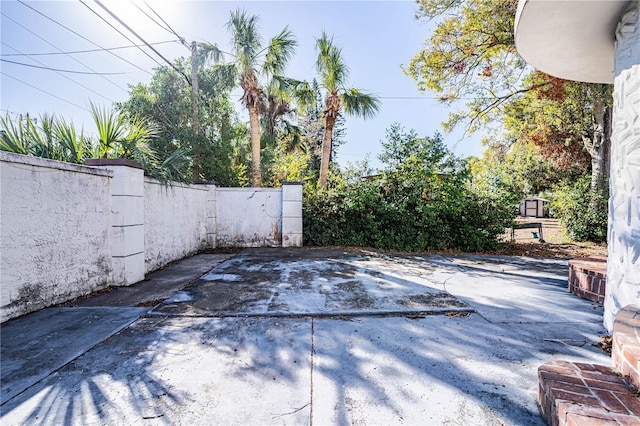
x=401 y=366
x=180 y=371
x=316 y=283
x=157 y=285
x=37 y=345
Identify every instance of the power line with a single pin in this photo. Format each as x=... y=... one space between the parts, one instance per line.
x=429 y=98
x=10 y=112
x=121 y=33
x=70 y=79
x=73 y=52
x=141 y=39
x=182 y=40
x=151 y=18
x=80 y=35
x=61 y=70
x=52 y=45
x=44 y=91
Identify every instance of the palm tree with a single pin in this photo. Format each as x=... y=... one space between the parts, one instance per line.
x=252 y=61
x=333 y=74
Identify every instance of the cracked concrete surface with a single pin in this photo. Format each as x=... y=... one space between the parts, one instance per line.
x=308 y=336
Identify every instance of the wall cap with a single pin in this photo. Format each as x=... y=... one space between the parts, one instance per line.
x=29 y=160
x=113 y=162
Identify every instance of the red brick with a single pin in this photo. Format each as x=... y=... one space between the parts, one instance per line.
x=560 y=367
x=578 y=419
x=631 y=353
x=611 y=402
x=585 y=367
x=552 y=377
x=620 y=386
x=579 y=414
x=572 y=396
x=611 y=377
x=630 y=401
x=628 y=420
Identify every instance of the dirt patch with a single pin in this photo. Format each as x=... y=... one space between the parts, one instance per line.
x=556 y=242
x=439 y=300
x=605 y=344
x=350 y=295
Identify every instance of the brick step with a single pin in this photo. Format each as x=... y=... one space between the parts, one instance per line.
x=588 y=277
x=572 y=394
x=625 y=351
x=585 y=394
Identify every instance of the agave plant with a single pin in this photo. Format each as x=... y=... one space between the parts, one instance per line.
x=12 y=135
x=74 y=147
x=111 y=130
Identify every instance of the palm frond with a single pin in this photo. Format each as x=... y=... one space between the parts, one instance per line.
x=304 y=94
x=209 y=52
x=110 y=127
x=280 y=50
x=360 y=104
x=245 y=38
x=12 y=136
x=172 y=168
x=72 y=144
x=329 y=64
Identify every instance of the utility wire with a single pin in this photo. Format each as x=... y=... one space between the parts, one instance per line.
x=61 y=70
x=44 y=91
x=68 y=78
x=54 y=46
x=142 y=40
x=121 y=33
x=81 y=36
x=10 y=112
x=73 y=52
x=182 y=39
x=151 y=18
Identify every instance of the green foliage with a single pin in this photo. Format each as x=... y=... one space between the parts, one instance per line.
x=572 y=207
x=222 y=144
x=116 y=137
x=421 y=201
x=470 y=54
x=52 y=138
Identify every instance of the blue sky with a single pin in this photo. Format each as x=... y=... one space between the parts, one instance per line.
x=376 y=37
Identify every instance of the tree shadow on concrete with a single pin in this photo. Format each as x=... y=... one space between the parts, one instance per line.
x=427 y=369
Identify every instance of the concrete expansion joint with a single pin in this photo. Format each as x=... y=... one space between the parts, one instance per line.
x=346 y=316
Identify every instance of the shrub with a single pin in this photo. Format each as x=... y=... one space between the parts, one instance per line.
x=583 y=212
x=406 y=213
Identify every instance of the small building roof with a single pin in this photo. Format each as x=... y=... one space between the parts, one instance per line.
x=534 y=199
x=569 y=39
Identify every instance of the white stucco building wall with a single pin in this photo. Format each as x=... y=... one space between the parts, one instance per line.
x=623 y=262
x=599 y=42
x=175 y=222
x=54 y=232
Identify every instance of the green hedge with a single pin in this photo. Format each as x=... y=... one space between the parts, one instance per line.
x=406 y=213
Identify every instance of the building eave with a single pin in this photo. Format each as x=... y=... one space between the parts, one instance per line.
x=569 y=39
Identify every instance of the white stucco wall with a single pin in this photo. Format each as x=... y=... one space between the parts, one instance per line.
x=175 y=222
x=623 y=263
x=68 y=230
x=54 y=232
x=248 y=217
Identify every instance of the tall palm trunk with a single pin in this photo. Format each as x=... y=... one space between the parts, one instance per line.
x=332 y=109
x=326 y=150
x=254 y=128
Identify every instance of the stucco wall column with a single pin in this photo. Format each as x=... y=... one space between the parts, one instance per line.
x=623 y=265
